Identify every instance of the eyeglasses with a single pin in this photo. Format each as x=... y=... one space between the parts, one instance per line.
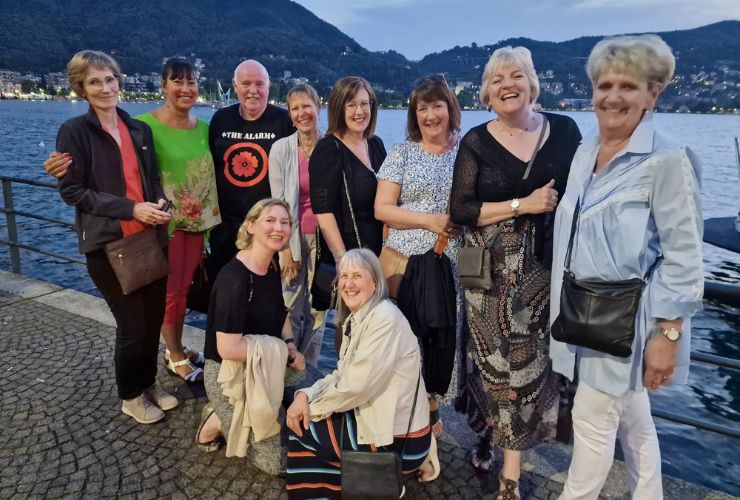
x=364 y=105
x=438 y=79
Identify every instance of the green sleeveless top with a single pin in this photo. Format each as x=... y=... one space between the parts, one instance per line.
x=187 y=174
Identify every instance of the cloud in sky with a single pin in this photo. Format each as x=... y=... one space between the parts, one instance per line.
x=419 y=27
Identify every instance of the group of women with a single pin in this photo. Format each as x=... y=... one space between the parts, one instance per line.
x=511 y=186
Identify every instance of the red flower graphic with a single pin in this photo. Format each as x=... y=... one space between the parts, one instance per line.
x=245 y=164
x=190 y=206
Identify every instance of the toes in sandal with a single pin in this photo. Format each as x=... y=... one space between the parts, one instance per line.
x=195 y=375
x=216 y=443
x=195 y=357
x=510 y=489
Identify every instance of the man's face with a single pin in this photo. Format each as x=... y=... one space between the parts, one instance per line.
x=252 y=86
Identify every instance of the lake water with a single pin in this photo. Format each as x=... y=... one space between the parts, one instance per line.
x=27 y=135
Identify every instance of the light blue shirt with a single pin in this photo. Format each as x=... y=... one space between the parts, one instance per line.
x=642 y=206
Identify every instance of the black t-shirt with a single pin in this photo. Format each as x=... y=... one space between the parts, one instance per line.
x=240 y=150
x=242 y=303
x=329 y=159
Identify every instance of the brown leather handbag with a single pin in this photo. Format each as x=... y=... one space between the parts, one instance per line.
x=394 y=264
x=137 y=260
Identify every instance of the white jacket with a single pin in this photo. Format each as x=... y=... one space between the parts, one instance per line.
x=283 y=174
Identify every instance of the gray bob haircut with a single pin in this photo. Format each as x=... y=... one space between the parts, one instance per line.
x=646 y=57
x=365 y=259
x=520 y=57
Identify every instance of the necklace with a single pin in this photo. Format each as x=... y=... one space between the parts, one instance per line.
x=515 y=132
x=306 y=151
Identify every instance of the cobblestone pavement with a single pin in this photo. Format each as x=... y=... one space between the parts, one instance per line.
x=63 y=434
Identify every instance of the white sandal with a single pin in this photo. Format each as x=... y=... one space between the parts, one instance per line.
x=191 y=377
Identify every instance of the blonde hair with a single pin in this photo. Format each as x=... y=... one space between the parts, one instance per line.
x=520 y=57
x=363 y=258
x=81 y=62
x=646 y=57
x=304 y=88
x=243 y=237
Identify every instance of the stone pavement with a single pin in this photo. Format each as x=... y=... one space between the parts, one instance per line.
x=64 y=436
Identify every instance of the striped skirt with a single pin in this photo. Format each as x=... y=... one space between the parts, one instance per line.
x=313 y=467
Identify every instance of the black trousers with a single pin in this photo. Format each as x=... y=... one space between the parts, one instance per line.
x=138 y=318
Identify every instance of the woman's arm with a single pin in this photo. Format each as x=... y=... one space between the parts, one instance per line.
x=388 y=212
x=231 y=346
x=295 y=358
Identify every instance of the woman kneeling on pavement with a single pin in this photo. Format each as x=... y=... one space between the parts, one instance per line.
x=248 y=344
x=374 y=401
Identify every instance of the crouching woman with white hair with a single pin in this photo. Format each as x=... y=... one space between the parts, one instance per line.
x=374 y=401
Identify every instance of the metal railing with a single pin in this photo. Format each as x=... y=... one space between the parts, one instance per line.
x=15 y=258
x=10 y=217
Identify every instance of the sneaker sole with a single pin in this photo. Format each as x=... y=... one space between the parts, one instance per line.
x=167 y=407
x=154 y=421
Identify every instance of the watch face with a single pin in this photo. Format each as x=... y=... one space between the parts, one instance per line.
x=514 y=203
x=673 y=334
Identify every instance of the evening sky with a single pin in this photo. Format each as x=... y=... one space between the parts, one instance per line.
x=416 y=28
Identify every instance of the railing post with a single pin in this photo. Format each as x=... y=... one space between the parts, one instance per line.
x=15 y=252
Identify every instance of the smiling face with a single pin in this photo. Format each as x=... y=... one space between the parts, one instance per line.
x=271 y=230
x=356 y=286
x=357 y=112
x=303 y=112
x=101 y=88
x=434 y=120
x=620 y=100
x=180 y=92
x=509 y=89
x=252 y=87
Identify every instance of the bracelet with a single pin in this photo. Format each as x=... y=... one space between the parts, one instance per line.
x=291 y=340
x=339 y=254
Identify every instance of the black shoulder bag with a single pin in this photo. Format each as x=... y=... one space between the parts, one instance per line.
x=368 y=475
x=599 y=315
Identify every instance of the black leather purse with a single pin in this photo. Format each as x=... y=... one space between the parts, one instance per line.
x=599 y=315
x=368 y=475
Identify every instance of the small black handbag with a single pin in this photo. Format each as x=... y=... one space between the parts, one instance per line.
x=368 y=475
x=474 y=268
x=599 y=315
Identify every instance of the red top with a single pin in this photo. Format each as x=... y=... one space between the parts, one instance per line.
x=131 y=177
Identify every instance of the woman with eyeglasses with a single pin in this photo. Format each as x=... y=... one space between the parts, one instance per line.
x=343 y=170
x=414 y=187
x=506 y=203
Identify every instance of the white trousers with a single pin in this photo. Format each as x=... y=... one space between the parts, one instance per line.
x=598 y=420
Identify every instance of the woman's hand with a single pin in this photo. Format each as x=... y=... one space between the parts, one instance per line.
x=150 y=213
x=296 y=360
x=541 y=201
x=298 y=413
x=660 y=360
x=57 y=164
x=290 y=267
x=441 y=224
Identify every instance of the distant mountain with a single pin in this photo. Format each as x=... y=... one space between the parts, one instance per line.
x=41 y=35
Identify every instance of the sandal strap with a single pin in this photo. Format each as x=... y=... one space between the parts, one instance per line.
x=193 y=376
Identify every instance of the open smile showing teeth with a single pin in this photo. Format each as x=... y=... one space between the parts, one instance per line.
x=511 y=95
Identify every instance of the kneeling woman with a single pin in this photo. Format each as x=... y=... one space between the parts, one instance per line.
x=247 y=298
x=368 y=401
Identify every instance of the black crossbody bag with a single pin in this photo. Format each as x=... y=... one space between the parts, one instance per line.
x=596 y=314
x=368 y=475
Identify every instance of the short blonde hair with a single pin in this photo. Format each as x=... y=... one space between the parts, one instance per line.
x=81 y=62
x=304 y=88
x=243 y=238
x=363 y=258
x=520 y=57
x=646 y=57
x=344 y=91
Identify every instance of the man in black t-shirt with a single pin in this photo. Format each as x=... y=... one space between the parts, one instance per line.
x=240 y=138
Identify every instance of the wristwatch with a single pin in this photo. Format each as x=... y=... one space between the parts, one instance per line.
x=515 y=207
x=672 y=334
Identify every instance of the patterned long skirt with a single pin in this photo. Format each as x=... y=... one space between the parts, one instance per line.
x=511 y=392
x=314 y=469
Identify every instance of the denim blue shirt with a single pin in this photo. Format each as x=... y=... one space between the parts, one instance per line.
x=642 y=206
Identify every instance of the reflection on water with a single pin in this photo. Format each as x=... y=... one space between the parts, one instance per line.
x=27 y=134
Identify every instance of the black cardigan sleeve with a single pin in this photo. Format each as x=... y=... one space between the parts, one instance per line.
x=464 y=203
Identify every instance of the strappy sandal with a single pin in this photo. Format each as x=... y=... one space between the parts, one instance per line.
x=195 y=357
x=216 y=443
x=481 y=457
x=434 y=421
x=194 y=376
x=510 y=489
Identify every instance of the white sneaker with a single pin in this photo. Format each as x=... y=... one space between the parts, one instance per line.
x=159 y=397
x=142 y=410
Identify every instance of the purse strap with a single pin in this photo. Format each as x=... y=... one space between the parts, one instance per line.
x=569 y=251
x=349 y=200
x=408 y=428
x=545 y=124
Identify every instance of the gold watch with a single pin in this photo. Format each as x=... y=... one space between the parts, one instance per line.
x=515 y=207
x=672 y=334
